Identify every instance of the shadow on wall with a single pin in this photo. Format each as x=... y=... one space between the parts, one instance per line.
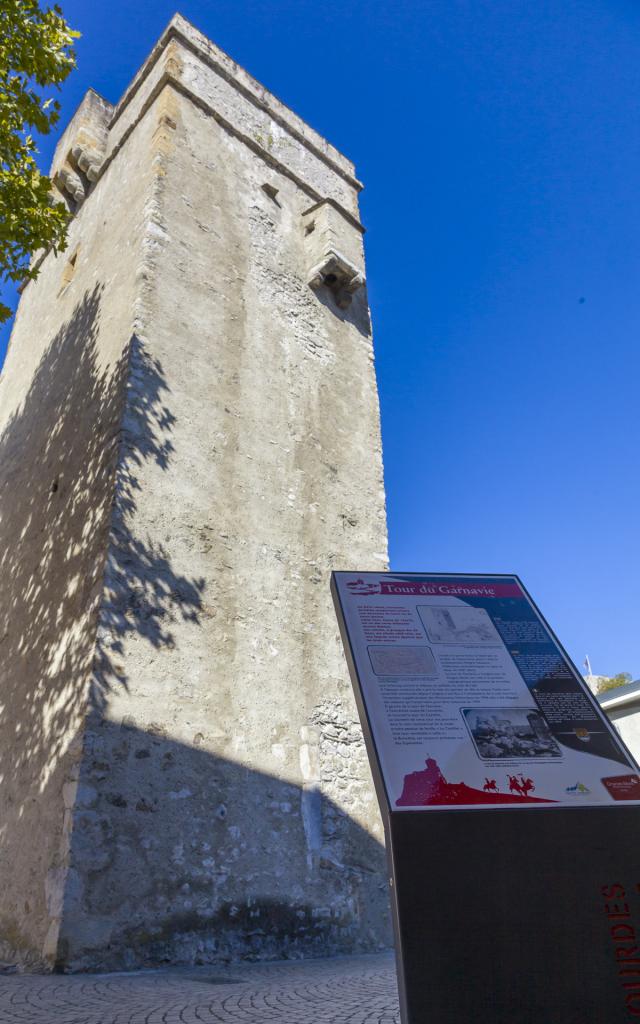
x=142 y=592
x=58 y=455
x=185 y=857
x=170 y=845
x=357 y=313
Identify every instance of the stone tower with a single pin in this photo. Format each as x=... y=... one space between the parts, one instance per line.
x=189 y=444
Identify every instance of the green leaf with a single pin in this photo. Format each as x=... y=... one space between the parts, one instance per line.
x=606 y=683
x=36 y=53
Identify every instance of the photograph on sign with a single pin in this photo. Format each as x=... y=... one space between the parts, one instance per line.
x=471 y=701
x=510 y=732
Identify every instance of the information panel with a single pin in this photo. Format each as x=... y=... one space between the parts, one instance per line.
x=471 y=701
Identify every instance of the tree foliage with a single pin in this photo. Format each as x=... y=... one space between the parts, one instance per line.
x=36 y=54
x=611 y=682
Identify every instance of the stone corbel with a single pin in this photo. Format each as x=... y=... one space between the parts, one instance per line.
x=70 y=183
x=334 y=252
x=339 y=276
x=89 y=160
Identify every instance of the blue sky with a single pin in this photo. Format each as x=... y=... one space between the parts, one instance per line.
x=499 y=142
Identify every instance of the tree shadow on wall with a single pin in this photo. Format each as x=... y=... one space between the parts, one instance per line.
x=175 y=853
x=143 y=594
x=64 y=452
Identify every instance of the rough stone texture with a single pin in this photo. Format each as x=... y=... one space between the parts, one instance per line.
x=190 y=444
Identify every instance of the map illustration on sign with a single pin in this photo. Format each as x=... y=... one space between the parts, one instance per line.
x=470 y=700
x=449 y=625
x=401 y=660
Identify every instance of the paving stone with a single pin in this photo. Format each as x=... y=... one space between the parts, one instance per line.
x=341 y=990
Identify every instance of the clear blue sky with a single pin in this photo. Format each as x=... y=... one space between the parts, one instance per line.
x=499 y=141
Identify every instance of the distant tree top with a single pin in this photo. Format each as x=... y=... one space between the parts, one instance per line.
x=611 y=682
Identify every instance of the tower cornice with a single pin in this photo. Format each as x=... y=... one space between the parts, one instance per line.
x=183 y=59
x=187 y=35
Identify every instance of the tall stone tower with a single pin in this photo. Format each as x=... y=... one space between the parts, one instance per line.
x=190 y=442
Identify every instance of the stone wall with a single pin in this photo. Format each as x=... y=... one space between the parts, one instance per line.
x=218 y=799
x=62 y=394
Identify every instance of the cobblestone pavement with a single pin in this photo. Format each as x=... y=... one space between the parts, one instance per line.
x=344 y=990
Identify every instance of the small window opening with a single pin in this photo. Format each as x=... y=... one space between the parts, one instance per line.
x=310 y=228
x=69 y=271
x=272 y=192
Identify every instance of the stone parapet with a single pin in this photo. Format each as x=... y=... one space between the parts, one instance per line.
x=184 y=60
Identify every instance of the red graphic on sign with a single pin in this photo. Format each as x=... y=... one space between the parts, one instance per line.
x=429 y=787
x=398 y=587
x=623 y=787
x=520 y=785
x=447 y=588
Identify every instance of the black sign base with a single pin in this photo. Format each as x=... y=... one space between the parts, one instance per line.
x=517 y=916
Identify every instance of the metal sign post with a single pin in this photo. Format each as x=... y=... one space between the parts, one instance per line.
x=511 y=806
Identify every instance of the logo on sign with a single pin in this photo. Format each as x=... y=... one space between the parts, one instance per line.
x=623 y=787
x=578 y=790
x=360 y=587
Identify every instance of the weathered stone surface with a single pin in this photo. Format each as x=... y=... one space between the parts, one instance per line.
x=190 y=443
